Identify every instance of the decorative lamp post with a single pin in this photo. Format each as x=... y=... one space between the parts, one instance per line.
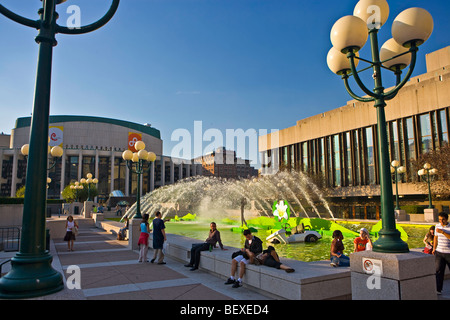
x=56 y=152
x=31 y=272
x=428 y=174
x=89 y=180
x=396 y=169
x=136 y=160
x=410 y=29
x=77 y=186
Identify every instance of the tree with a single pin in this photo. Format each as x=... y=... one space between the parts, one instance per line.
x=440 y=160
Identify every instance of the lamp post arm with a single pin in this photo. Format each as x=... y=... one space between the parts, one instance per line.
x=351 y=57
x=392 y=93
x=350 y=91
x=19 y=19
x=93 y=26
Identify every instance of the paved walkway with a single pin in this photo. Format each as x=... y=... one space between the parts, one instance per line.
x=110 y=271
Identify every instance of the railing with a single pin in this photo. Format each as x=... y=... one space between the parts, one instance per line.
x=9 y=238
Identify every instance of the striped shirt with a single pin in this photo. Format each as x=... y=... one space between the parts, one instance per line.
x=443 y=243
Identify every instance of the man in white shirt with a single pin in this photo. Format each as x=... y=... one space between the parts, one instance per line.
x=441 y=249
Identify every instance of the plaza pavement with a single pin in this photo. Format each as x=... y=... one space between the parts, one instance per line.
x=110 y=271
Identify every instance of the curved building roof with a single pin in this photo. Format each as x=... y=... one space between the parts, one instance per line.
x=26 y=122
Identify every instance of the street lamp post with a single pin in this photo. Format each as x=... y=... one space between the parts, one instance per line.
x=76 y=186
x=89 y=180
x=137 y=159
x=427 y=174
x=31 y=272
x=410 y=29
x=396 y=170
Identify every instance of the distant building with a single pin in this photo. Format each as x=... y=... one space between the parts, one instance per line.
x=224 y=163
x=91 y=145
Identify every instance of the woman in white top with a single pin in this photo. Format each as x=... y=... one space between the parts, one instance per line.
x=70 y=232
x=441 y=249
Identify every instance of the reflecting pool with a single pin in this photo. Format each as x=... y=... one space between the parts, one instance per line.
x=299 y=251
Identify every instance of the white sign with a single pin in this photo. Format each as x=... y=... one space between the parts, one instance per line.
x=372 y=266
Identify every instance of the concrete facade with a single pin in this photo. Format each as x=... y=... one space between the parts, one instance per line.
x=341 y=144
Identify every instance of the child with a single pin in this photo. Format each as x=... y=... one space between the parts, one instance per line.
x=71 y=229
x=362 y=242
x=143 y=239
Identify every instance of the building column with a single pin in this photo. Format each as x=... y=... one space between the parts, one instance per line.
x=111 y=185
x=96 y=164
x=163 y=171
x=14 y=172
x=63 y=173
x=180 y=171
x=172 y=172
x=127 y=182
x=80 y=164
x=1 y=166
x=188 y=170
x=152 y=176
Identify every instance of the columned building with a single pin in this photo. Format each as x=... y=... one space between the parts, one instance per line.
x=91 y=145
x=341 y=145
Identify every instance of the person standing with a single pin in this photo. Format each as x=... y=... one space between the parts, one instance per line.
x=71 y=230
x=441 y=249
x=159 y=236
x=210 y=242
x=143 y=239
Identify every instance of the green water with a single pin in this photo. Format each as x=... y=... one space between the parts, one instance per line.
x=298 y=251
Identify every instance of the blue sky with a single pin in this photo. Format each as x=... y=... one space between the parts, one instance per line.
x=232 y=64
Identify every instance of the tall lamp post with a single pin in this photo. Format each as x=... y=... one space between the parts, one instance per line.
x=137 y=160
x=76 y=186
x=410 y=29
x=396 y=170
x=428 y=174
x=89 y=180
x=31 y=272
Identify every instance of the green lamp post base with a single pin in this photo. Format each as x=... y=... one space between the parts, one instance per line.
x=389 y=241
x=30 y=276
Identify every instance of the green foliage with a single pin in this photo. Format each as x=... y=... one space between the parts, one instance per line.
x=21 y=192
x=413 y=209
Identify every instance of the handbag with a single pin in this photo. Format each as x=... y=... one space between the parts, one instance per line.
x=75 y=230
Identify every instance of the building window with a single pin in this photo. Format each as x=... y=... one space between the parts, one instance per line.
x=71 y=171
x=337 y=161
x=370 y=155
x=426 y=139
x=305 y=156
x=104 y=175
x=322 y=156
x=88 y=166
x=356 y=150
x=443 y=127
x=348 y=159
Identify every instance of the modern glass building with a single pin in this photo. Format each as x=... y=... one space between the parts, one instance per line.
x=92 y=145
x=341 y=145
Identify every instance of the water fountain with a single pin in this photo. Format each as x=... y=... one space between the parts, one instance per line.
x=210 y=197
